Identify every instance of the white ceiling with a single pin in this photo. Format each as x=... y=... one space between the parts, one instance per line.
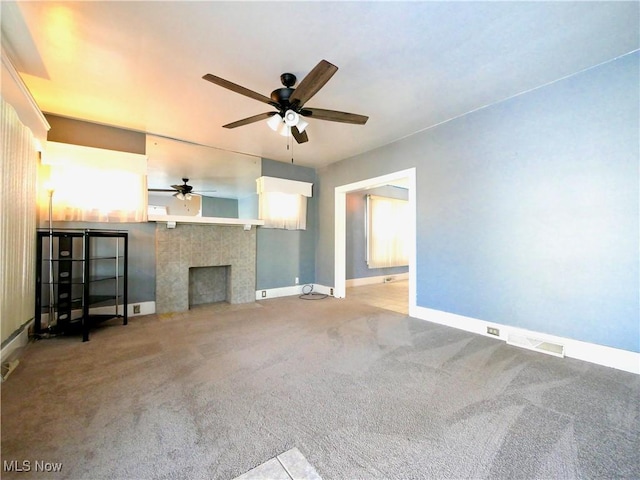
x=407 y=65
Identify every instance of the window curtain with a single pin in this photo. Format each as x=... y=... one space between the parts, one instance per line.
x=283 y=210
x=387 y=232
x=17 y=222
x=283 y=203
x=93 y=185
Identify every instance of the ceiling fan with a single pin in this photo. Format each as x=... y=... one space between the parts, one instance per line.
x=290 y=102
x=181 y=192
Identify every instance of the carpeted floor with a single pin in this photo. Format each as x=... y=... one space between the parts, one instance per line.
x=361 y=392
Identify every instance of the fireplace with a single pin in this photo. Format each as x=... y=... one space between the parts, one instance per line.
x=208 y=285
x=229 y=250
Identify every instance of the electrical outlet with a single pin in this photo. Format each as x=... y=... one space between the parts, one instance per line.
x=493 y=331
x=136 y=309
x=264 y=293
x=331 y=291
x=297 y=280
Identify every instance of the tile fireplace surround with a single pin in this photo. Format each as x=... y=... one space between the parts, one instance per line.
x=192 y=245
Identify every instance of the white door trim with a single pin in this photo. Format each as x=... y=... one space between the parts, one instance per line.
x=409 y=175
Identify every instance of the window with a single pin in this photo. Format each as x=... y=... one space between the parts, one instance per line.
x=93 y=185
x=283 y=203
x=387 y=232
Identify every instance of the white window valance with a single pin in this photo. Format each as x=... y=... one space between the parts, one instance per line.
x=283 y=185
x=283 y=202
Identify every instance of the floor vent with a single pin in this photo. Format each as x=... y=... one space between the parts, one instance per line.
x=536 y=344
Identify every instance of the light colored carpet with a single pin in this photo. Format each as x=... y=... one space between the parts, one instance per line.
x=363 y=393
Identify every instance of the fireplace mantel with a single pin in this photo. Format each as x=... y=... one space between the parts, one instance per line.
x=173 y=219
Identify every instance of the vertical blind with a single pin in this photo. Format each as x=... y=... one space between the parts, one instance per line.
x=17 y=222
x=387 y=232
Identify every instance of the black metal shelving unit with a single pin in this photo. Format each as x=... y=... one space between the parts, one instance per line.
x=81 y=279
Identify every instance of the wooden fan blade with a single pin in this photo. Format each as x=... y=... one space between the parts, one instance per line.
x=238 y=89
x=301 y=137
x=313 y=82
x=334 y=116
x=247 y=121
x=160 y=190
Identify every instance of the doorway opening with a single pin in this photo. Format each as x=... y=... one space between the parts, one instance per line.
x=408 y=179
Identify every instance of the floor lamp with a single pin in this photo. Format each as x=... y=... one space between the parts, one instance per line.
x=50 y=323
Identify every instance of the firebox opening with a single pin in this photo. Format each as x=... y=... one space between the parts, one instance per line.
x=209 y=285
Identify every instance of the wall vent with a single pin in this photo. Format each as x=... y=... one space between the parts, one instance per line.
x=536 y=344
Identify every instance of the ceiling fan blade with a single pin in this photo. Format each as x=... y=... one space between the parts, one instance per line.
x=334 y=116
x=160 y=190
x=247 y=121
x=314 y=81
x=238 y=89
x=301 y=137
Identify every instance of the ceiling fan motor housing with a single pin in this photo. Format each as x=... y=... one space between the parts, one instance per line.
x=184 y=189
x=281 y=97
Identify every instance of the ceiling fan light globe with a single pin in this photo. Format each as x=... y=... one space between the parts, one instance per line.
x=291 y=118
x=274 y=122
x=284 y=130
x=179 y=196
x=302 y=124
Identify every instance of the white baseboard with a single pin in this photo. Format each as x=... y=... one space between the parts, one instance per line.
x=20 y=340
x=358 y=282
x=291 y=291
x=323 y=289
x=146 y=308
x=588 y=352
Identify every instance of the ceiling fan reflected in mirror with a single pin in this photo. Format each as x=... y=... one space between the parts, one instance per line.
x=181 y=192
x=290 y=103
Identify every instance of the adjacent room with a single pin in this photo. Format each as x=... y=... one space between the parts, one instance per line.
x=314 y=240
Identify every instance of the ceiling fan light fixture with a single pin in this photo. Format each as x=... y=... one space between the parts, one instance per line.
x=274 y=122
x=284 y=130
x=291 y=118
x=179 y=196
x=302 y=124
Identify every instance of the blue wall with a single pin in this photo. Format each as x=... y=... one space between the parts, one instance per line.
x=356 y=247
x=283 y=255
x=142 y=255
x=527 y=209
x=219 y=207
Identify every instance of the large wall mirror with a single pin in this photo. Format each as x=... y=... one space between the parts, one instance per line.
x=224 y=182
